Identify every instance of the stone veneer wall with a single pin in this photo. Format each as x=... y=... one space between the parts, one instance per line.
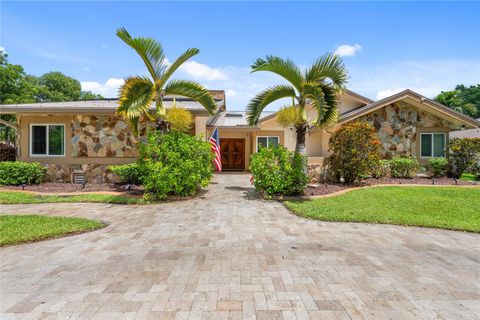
x=102 y=136
x=94 y=173
x=397 y=124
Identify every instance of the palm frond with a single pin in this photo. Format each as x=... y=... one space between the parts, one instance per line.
x=285 y=68
x=264 y=98
x=313 y=95
x=150 y=50
x=328 y=67
x=133 y=125
x=329 y=113
x=136 y=95
x=178 y=62
x=193 y=90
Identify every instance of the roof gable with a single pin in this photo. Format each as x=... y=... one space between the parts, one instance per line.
x=417 y=100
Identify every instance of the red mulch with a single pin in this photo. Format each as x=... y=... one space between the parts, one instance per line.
x=321 y=189
x=59 y=187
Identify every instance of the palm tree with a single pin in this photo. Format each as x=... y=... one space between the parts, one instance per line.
x=318 y=87
x=138 y=92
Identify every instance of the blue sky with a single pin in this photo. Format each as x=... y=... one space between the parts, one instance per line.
x=387 y=46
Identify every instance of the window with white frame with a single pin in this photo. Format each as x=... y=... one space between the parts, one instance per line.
x=432 y=145
x=267 y=141
x=47 y=140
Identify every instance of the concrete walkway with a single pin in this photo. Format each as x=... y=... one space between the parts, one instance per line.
x=230 y=255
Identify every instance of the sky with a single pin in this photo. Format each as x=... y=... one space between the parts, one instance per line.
x=386 y=46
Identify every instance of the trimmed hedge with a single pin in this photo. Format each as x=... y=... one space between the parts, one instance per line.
x=130 y=173
x=404 y=167
x=18 y=172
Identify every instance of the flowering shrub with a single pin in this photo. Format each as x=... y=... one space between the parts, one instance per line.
x=463 y=153
x=277 y=171
x=355 y=151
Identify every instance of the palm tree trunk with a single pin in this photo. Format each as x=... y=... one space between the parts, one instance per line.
x=300 y=147
x=162 y=126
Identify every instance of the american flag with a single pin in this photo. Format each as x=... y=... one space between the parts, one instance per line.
x=215 y=146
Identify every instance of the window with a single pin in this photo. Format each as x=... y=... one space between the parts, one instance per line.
x=432 y=145
x=265 y=142
x=47 y=140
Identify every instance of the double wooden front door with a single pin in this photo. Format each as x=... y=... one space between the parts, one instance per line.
x=233 y=154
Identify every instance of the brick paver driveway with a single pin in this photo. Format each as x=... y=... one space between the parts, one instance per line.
x=229 y=255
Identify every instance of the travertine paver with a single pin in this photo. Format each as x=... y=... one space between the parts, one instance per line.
x=229 y=255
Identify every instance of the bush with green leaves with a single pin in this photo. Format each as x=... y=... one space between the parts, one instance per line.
x=277 y=171
x=403 y=167
x=132 y=173
x=382 y=169
x=175 y=164
x=438 y=166
x=355 y=151
x=463 y=154
x=18 y=172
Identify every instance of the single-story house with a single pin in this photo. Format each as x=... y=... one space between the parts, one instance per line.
x=87 y=136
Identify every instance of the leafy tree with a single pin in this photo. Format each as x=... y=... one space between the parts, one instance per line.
x=463 y=99
x=471 y=96
x=55 y=86
x=318 y=87
x=89 y=95
x=15 y=85
x=138 y=92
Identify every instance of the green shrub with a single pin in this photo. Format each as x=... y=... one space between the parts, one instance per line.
x=17 y=172
x=438 y=166
x=463 y=153
x=130 y=173
x=382 y=169
x=403 y=167
x=277 y=171
x=175 y=164
x=355 y=151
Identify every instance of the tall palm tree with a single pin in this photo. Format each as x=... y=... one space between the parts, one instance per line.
x=318 y=87
x=138 y=92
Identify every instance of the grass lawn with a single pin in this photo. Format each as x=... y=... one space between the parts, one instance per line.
x=16 y=229
x=440 y=207
x=28 y=198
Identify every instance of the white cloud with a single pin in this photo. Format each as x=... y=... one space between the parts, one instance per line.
x=387 y=93
x=202 y=71
x=3 y=49
x=230 y=93
x=86 y=68
x=109 y=89
x=347 y=50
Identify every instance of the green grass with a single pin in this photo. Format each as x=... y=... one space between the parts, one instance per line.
x=28 y=198
x=468 y=177
x=16 y=229
x=453 y=208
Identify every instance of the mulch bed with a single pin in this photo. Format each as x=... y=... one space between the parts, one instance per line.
x=58 y=187
x=321 y=189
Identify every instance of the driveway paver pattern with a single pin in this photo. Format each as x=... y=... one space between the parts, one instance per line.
x=230 y=255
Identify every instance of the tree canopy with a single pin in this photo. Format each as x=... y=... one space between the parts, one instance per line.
x=16 y=86
x=463 y=99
